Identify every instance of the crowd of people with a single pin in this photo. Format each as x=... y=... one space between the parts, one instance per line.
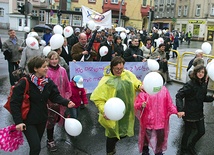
x=51 y=83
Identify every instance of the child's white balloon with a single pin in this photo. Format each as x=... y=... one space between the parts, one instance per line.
x=152 y=83
x=72 y=126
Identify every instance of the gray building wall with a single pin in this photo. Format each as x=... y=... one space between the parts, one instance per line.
x=4 y=20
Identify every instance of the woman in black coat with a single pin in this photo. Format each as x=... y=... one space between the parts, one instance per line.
x=41 y=89
x=118 y=47
x=194 y=93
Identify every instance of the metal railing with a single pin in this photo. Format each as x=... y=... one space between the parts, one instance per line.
x=179 y=62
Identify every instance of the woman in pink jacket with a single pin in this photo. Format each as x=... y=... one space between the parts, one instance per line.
x=59 y=76
x=153 y=112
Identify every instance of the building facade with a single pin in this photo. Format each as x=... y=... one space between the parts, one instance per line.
x=164 y=14
x=197 y=17
x=4 y=16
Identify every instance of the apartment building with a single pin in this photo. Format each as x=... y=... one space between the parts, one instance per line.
x=4 y=15
x=133 y=12
x=164 y=14
x=196 y=16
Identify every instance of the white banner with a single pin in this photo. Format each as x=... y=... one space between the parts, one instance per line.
x=92 y=72
x=100 y=19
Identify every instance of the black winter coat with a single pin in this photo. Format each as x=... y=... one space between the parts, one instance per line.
x=128 y=54
x=194 y=94
x=38 y=101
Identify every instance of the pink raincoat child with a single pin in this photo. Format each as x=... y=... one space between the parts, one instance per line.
x=153 y=112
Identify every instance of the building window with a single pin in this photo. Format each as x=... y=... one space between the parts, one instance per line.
x=161 y=2
x=179 y=10
x=168 y=1
x=114 y=1
x=41 y=15
x=1 y=12
x=144 y=2
x=77 y=20
x=185 y=10
x=34 y=12
x=106 y=1
x=212 y=10
x=92 y=1
x=198 y=10
x=78 y=9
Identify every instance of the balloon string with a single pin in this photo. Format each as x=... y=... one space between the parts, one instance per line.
x=56 y=112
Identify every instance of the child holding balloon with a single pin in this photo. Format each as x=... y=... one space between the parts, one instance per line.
x=153 y=110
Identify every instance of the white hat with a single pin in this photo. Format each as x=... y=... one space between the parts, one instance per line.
x=198 y=51
x=78 y=80
x=77 y=30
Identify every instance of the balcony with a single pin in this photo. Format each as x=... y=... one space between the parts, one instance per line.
x=144 y=10
x=114 y=7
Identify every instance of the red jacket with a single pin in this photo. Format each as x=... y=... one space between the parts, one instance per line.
x=78 y=95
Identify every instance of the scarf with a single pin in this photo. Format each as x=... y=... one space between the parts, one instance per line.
x=39 y=82
x=54 y=67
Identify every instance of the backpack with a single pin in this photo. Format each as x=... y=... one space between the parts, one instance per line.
x=25 y=103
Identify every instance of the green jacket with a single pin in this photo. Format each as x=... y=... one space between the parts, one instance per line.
x=123 y=87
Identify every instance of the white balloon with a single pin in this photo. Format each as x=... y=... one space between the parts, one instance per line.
x=32 y=34
x=32 y=43
x=26 y=29
x=208 y=65
x=103 y=51
x=91 y=25
x=152 y=83
x=159 y=32
x=58 y=29
x=206 y=47
x=164 y=31
x=153 y=64
x=122 y=35
x=210 y=71
x=114 y=109
x=159 y=41
x=73 y=127
x=127 y=30
x=46 y=50
x=42 y=42
x=42 y=1
x=68 y=31
x=56 y=41
x=124 y=47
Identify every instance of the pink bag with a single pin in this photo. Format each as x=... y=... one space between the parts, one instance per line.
x=10 y=138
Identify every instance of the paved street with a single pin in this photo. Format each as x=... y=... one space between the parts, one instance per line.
x=92 y=140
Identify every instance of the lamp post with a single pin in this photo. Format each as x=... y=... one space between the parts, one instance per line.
x=122 y=1
x=150 y=17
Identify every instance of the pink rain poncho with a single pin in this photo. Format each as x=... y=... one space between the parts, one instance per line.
x=60 y=78
x=154 y=119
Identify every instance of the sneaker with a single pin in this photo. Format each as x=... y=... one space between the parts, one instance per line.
x=51 y=146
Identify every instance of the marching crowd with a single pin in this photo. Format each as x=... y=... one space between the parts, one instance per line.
x=50 y=86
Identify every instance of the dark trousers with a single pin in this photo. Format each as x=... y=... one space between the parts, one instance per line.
x=111 y=143
x=33 y=134
x=188 y=127
x=11 y=67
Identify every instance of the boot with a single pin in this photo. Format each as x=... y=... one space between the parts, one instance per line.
x=145 y=150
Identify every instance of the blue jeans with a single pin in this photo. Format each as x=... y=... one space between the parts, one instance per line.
x=12 y=66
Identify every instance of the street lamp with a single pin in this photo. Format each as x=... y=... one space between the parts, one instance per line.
x=122 y=1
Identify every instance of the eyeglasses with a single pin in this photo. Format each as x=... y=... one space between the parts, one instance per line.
x=118 y=69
